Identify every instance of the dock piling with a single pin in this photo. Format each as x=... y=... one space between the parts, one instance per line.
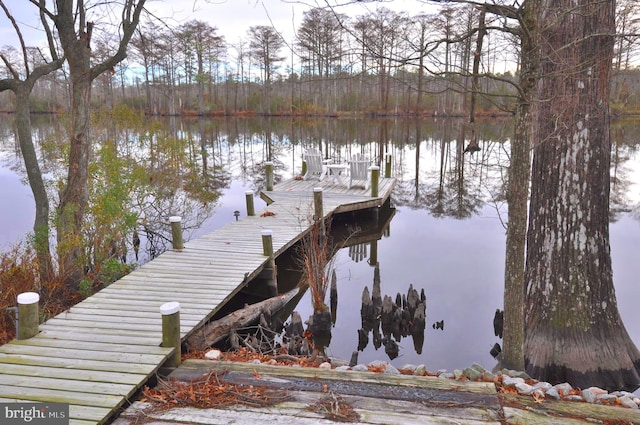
x=317 y=202
x=176 y=232
x=28 y=315
x=387 y=165
x=171 y=331
x=250 y=208
x=269 y=170
x=270 y=267
x=375 y=178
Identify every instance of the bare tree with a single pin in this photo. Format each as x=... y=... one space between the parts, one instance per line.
x=75 y=35
x=265 y=44
x=200 y=40
x=21 y=82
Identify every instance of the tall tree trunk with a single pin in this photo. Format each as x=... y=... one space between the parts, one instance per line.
x=74 y=196
x=30 y=158
x=574 y=332
x=518 y=193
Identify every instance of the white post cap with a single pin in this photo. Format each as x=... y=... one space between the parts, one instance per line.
x=317 y=189
x=28 y=298
x=267 y=232
x=248 y=192
x=175 y=219
x=170 y=308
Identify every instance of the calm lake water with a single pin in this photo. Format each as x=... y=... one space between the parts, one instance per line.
x=447 y=236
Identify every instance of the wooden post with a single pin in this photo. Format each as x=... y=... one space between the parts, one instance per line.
x=375 y=177
x=176 y=232
x=171 y=331
x=304 y=167
x=373 y=257
x=317 y=203
x=269 y=170
x=270 y=267
x=387 y=165
x=250 y=208
x=28 y=315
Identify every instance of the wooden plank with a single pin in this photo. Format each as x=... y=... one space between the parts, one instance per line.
x=73 y=385
x=82 y=375
x=77 y=414
x=61 y=396
x=199 y=366
x=99 y=337
x=109 y=318
x=115 y=311
x=562 y=409
x=88 y=325
x=125 y=358
x=73 y=364
x=62 y=326
x=93 y=345
x=528 y=417
x=138 y=305
x=158 y=299
x=170 y=287
x=185 y=292
x=196 y=300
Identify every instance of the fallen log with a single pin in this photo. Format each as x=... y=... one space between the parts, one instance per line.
x=215 y=331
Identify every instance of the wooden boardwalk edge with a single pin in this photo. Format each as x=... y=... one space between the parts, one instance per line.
x=100 y=352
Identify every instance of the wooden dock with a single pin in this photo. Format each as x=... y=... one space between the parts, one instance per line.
x=99 y=353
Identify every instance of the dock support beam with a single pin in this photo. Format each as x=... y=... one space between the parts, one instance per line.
x=28 y=315
x=387 y=165
x=375 y=178
x=171 y=332
x=269 y=170
x=317 y=203
x=270 y=267
x=176 y=232
x=250 y=208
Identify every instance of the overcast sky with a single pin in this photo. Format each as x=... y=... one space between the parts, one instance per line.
x=232 y=17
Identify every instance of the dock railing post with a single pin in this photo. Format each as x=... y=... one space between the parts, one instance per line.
x=176 y=232
x=269 y=170
x=171 y=331
x=304 y=168
x=270 y=267
x=387 y=165
x=317 y=203
x=375 y=178
x=28 y=315
x=250 y=208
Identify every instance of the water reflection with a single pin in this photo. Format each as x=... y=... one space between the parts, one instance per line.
x=446 y=234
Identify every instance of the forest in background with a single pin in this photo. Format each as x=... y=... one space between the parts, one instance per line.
x=380 y=63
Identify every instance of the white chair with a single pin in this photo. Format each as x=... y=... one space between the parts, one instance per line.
x=359 y=171
x=315 y=168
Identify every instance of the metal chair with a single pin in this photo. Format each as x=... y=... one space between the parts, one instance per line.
x=359 y=171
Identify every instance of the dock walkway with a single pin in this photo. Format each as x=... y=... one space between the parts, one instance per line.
x=99 y=353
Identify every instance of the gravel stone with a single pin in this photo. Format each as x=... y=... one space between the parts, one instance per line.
x=627 y=401
x=553 y=393
x=510 y=382
x=564 y=388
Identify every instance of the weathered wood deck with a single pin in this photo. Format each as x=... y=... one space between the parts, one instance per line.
x=99 y=353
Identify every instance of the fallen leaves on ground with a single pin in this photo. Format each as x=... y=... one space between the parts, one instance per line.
x=210 y=392
x=335 y=408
